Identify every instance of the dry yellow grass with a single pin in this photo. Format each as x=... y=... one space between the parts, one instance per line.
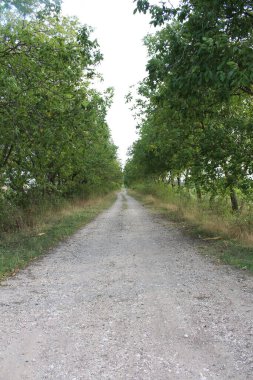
x=43 y=227
x=229 y=235
x=209 y=221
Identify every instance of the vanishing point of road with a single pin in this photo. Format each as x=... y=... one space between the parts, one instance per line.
x=127 y=297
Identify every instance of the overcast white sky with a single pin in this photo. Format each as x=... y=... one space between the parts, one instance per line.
x=120 y=35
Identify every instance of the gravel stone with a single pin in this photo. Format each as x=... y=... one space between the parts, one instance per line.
x=127 y=297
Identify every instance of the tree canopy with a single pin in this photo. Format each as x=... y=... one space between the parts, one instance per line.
x=53 y=132
x=198 y=97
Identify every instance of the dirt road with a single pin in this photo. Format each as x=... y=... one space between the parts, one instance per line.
x=127 y=297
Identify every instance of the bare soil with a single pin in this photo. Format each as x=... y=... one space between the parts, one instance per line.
x=127 y=297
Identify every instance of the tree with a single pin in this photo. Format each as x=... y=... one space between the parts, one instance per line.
x=53 y=133
x=213 y=39
x=29 y=8
x=198 y=107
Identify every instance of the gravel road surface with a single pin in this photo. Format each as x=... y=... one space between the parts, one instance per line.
x=127 y=297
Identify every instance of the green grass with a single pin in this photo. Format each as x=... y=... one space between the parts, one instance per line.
x=18 y=248
x=212 y=238
x=232 y=253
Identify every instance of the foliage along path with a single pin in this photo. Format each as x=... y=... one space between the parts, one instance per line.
x=54 y=138
x=127 y=297
x=194 y=108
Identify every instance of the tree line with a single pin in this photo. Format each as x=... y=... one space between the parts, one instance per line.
x=194 y=108
x=54 y=138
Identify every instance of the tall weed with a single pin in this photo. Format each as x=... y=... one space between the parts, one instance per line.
x=215 y=218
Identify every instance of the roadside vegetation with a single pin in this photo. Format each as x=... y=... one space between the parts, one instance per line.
x=224 y=235
x=56 y=151
x=194 y=113
x=52 y=224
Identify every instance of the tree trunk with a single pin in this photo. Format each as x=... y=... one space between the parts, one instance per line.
x=211 y=200
x=234 y=200
x=198 y=192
